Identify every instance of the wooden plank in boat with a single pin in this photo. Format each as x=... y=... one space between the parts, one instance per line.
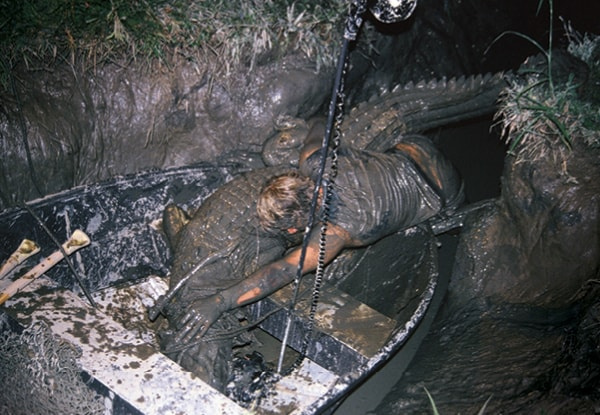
x=125 y=367
x=117 y=352
x=347 y=333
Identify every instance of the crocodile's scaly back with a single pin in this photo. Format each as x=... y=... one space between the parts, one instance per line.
x=379 y=123
x=225 y=228
x=415 y=108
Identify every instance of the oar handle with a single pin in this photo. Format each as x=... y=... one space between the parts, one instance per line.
x=77 y=241
x=26 y=249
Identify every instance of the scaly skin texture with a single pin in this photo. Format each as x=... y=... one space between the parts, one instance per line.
x=225 y=228
x=379 y=123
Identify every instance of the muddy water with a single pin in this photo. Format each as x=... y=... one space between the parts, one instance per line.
x=479 y=355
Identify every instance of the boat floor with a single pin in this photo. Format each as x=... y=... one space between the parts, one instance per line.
x=119 y=350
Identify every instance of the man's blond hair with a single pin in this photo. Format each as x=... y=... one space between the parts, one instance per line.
x=284 y=203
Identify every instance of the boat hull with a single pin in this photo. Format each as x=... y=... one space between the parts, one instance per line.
x=372 y=300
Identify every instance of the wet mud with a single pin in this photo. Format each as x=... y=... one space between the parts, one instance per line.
x=524 y=358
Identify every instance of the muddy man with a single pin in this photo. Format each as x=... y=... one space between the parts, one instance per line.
x=373 y=195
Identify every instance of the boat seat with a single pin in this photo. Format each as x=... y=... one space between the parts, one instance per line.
x=346 y=333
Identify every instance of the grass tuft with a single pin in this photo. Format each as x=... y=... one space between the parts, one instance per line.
x=540 y=118
x=436 y=411
x=230 y=32
x=539 y=122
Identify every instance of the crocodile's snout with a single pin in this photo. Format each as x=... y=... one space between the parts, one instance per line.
x=283 y=148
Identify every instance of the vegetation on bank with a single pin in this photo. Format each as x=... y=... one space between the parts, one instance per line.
x=435 y=409
x=542 y=116
x=229 y=32
x=546 y=107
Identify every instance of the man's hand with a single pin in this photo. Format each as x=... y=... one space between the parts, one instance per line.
x=198 y=318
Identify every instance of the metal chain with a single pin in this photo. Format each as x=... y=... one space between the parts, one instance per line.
x=335 y=118
x=325 y=219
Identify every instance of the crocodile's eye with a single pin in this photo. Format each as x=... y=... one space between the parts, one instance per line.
x=284 y=138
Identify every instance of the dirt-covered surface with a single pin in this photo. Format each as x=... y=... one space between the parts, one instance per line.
x=123 y=120
x=62 y=126
x=521 y=319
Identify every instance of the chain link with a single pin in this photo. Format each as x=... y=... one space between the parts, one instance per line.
x=338 y=109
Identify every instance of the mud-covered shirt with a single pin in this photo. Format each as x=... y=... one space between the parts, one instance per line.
x=376 y=194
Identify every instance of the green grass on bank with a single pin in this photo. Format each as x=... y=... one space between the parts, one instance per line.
x=231 y=32
x=540 y=118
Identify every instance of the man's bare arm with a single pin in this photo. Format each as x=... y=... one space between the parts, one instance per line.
x=276 y=275
x=204 y=312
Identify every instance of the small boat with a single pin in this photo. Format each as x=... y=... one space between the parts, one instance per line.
x=370 y=302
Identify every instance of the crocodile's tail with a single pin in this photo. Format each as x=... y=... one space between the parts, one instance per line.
x=415 y=108
x=379 y=123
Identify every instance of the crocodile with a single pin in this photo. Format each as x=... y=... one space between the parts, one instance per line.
x=379 y=123
x=223 y=236
x=226 y=239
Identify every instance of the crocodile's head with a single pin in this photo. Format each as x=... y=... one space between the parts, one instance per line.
x=283 y=148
